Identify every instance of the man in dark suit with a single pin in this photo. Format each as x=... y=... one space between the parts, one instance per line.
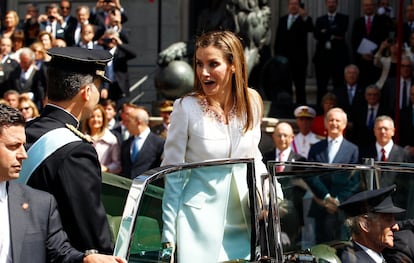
x=408 y=26
x=371 y=220
x=73 y=32
x=117 y=70
x=86 y=37
x=330 y=190
x=385 y=150
x=331 y=54
x=7 y=63
x=69 y=21
x=52 y=21
x=27 y=79
x=375 y=28
x=363 y=118
x=31 y=226
x=407 y=125
x=72 y=172
x=390 y=91
x=293 y=188
x=349 y=94
x=143 y=150
x=292 y=42
x=101 y=14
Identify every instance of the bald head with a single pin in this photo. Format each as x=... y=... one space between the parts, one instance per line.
x=283 y=136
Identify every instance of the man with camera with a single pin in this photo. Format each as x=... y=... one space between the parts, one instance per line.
x=52 y=21
x=100 y=15
x=117 y=69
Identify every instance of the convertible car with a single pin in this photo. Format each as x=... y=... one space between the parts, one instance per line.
x=281 y=230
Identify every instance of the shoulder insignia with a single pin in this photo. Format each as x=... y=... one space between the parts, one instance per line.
x=78 y=133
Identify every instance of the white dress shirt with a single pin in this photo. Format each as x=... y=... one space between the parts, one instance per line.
x=378 y=258
x=386 y=147
x=5 y=250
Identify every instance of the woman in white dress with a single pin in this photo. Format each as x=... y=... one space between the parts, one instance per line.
x=219 y=119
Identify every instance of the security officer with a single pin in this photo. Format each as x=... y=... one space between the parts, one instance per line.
x=66 y=163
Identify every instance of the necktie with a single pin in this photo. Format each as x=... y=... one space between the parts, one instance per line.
x=371 y=118
x=331 y=152
x=109 y=71
x=22 y=81
x=290 y=22
x=106 y=19
x=368 y=25
x=404 y=95
x=383 y=157
x=350 y=95
x=134 y=149
x=331 y=19
x=279 y=168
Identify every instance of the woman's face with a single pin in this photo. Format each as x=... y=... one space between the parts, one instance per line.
x=26 y=110
x=9 y=21
x=213 y=71
x=46 y=41
x=96 y=119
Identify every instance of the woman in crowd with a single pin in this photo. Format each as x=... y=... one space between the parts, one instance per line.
x=105 y=143
x=328 y=101
x=220 y=118
x=386 y=59
x=11 y=20
x=28 y=108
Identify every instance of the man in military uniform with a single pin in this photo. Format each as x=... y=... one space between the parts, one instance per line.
x=71 y=172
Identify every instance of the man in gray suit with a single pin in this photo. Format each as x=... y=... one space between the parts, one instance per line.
x=386 y=150
x=31 y=228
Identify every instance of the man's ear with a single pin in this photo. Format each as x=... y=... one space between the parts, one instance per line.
x=363 y=224
x=85 y=92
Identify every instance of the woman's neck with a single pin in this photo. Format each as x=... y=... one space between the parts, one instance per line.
x=95 y=132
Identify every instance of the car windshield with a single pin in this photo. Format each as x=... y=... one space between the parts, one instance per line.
x=278 y=229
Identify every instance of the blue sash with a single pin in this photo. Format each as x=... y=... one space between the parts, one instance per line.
x=43 y=148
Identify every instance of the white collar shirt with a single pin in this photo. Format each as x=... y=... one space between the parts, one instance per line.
x=378 y=258
x=386 y=147
x=285 y=154
x=142 y=137
x=5 y=249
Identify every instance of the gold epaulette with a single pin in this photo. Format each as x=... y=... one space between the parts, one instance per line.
x=84 y=137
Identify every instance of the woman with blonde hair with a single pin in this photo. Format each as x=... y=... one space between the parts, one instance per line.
x=221 y=110
x=104 y=141
x=10 y=22
x=28 y=108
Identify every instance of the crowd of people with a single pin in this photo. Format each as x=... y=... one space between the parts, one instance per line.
x=349 y=55
x=24 y=42
x=357 y=121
